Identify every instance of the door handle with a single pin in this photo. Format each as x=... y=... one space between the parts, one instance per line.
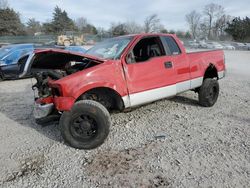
x=168 y=64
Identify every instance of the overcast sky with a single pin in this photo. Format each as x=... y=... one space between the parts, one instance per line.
x=102 y=12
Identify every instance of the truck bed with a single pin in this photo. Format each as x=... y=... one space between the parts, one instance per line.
x=201 y=59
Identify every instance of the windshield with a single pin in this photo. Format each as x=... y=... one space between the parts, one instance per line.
x=110 y=48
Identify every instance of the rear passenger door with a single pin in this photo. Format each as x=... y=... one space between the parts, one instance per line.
x=180 y=63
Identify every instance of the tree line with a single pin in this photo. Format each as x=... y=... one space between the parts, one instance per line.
x=10 y=24
x=239 y=28
x=210 y=23
x=213 y=23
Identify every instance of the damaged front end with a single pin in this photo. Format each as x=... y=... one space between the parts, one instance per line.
x=49 y=66
x=44 y=108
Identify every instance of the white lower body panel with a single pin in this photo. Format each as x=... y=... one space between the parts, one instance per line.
x=152 y=95
x=183 y=86
x=144 y=97
x=197 y=82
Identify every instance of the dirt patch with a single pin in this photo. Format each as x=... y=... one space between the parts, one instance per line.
x=128 y=168
x=31 y=165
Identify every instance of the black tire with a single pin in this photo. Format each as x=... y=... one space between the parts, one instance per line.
x=1 y=77
x=209 y=92
x=86 y=125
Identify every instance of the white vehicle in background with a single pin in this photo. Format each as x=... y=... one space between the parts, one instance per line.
x=193 y=44
x=214 y=45
x=241 y=46
x=228 y=46
x=248 y=46
x=202 y=44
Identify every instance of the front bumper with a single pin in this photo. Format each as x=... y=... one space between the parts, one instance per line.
x=41 y=111
x=45 y=107
x=221 y=74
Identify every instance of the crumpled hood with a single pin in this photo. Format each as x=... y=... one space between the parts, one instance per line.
x=57 y=58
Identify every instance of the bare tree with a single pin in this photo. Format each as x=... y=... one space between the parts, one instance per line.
x=193 y=19
x=203 y=29
x=221 y=24
x=4 y=4
x=81 y=23
x=33 y=26
x=152 y=24
x=212 y=11
x=133 y=27
x=118 y=29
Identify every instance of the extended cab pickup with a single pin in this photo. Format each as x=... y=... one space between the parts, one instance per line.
x=79 y=90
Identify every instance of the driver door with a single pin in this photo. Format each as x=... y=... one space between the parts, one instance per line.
x=149 y=72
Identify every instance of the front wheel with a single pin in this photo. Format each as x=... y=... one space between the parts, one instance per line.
x=1 y=77
x=209 y=92
x=86 y=125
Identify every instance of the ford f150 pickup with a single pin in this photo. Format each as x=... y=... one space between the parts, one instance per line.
x=80 y=90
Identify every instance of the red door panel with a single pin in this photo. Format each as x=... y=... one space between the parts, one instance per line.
x=149 y=75
x=182 y=68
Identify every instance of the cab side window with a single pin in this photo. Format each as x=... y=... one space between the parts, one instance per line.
x=172 y=46
x=148 y=48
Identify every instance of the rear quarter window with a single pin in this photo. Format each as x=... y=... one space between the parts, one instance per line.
x=172 y=46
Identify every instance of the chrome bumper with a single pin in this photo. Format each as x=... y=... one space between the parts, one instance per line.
x=41 y=111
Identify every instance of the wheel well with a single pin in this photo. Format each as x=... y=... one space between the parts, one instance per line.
x=211 y=72
x=106 y=96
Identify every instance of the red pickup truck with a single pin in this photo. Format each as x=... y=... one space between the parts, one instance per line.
x=123 y=72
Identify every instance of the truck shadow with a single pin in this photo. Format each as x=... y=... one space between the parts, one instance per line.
x=18 y=106
x=185 y=100
x=242 y=119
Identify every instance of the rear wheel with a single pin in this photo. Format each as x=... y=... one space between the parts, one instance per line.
x=209 y=92
x=86 y=125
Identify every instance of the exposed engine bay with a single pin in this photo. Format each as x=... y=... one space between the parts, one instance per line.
x=56 y=65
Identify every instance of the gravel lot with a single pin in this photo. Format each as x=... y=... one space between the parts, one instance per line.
x=169 y=143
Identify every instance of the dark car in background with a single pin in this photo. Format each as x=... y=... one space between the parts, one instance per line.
x=13 y=58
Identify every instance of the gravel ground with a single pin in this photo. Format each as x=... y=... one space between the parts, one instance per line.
x=169 y=143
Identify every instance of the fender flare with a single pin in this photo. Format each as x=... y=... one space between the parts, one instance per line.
x=98 y=85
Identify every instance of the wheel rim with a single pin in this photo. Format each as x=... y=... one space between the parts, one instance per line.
x=83 y=127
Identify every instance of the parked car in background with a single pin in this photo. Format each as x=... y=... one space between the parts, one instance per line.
x=228 y=46
x=193 y=44
x=202 y=44
x=13 y=58
x=247 y=46
x=241 y=46
x=214 y=45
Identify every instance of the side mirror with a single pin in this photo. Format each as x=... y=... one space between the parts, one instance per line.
x=130 y=58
